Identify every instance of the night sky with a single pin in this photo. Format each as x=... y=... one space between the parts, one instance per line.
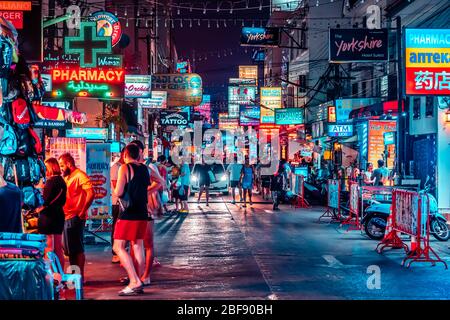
x=214 y=42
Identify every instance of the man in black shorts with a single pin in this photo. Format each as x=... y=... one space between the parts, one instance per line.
x=265 y=187
x=204 y=180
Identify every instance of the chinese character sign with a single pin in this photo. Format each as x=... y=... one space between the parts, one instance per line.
x=427 y=61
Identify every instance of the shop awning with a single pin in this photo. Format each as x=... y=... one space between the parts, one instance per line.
x=351 y=139
x=375 y=110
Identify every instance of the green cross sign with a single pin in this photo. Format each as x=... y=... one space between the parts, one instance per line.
x=88 y=44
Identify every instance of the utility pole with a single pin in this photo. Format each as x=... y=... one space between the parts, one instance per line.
x=401 y=134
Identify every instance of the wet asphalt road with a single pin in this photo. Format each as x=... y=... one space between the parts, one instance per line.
x=226 y=252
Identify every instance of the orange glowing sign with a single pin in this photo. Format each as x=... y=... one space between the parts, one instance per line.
x=15 y=5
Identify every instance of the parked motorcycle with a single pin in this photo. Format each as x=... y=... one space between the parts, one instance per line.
x=376 y=215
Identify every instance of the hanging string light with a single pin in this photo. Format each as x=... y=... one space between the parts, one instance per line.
x=126 y=12
x=224 y=23
x=126 y=25
x=209 y=24
x=173 y=24
x=146 y=23
x=137 y=22
x=198 y=22
x=217 y=23
x=190 y=23
x=260 y=5
x=181 y=23
x=317 y=3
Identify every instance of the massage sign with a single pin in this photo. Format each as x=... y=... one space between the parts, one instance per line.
x=427 y=54
x=358 y=45
x=84 y=77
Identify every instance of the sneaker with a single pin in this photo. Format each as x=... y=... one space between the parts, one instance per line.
x=233 y=202
x=276 y=209
x=244 y=206
x=115 y=259
x=146 y=282
x=156 y=263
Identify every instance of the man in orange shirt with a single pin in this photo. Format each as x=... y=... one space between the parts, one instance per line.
x=80 y=196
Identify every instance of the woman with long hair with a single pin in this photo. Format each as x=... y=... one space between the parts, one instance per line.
x=51 y=214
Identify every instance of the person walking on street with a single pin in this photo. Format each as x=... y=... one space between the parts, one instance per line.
x=278 y=186
x=79 y=198
x=163 y=173
x=183 y=191
x=115 y=166
x=380 y=175
x=234 y=173
x=204 y=173
x=132 y=184
x=247 y=180
x=51 y=214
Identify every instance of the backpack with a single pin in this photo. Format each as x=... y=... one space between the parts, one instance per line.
x=8 y=139
x=8 y=169
x=25 y=144
x=37 y=145
x=23 y=170
x=32 y=198
x=35 y=170
x=20 y=113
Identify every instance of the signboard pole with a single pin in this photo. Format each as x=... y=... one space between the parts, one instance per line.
x=401 y=135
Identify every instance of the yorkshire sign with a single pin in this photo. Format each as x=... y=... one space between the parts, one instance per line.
x=182 y=89
x=358 y=45
x=260 y=37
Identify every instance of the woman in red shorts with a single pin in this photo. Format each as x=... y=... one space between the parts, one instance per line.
x=132 y=183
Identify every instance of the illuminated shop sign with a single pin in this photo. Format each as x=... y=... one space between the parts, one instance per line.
x=340 y=130
x=261 y=37
x=238 y=95
x=358 y=45
x=96 y=82
x=158 y=100
x=15 y=17
x=227 y=123
x=138 y=86
x=88 y=44
x=427 y=54
x=270 y=100
x=249 y=115
x=389 y=138
x=249 y=72
x=108 y=25
x=182 y=89
x=88 y=133
x=173 y=118
x=289 y=116
x=15 y=5
x=239 y=81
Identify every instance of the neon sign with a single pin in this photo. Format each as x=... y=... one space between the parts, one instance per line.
x=88 y=44
x=93 y=75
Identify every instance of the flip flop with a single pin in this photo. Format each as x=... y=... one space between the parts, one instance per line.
x=127 y=291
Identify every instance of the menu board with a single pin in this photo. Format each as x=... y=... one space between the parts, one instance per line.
x=377 y=128
x=98 y=170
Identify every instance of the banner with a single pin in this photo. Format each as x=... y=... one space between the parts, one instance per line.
x=138 y=86
x=289 y=116
x=270 y=100
x=88 y=133
x=249 y=115
x=333 y=194
x=75 y=146
x=427 y=54
x=376 y=131
x=98 y=157
x=182 y=89
x=52 y=114
x=358 y=45
x=260 y=37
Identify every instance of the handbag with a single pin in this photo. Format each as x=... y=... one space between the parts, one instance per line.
x=41 y=220
x=124 y=200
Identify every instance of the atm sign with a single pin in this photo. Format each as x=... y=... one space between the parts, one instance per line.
x=340 y=130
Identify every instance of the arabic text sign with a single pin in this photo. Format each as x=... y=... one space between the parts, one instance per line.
x=427 y=54
x=352 y=45
x=182 y=89
x=94 y=82
x=98 y=170
x=270 y=100
x=289 y=116
x=138 y=86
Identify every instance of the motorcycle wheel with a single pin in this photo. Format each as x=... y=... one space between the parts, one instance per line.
x=374 y=232
x=440 y=230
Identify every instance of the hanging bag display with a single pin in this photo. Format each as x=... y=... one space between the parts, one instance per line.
x=8 y=139
x=37 y=145
x=20 y=113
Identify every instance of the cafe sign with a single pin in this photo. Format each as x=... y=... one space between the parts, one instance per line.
x=182 y=89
